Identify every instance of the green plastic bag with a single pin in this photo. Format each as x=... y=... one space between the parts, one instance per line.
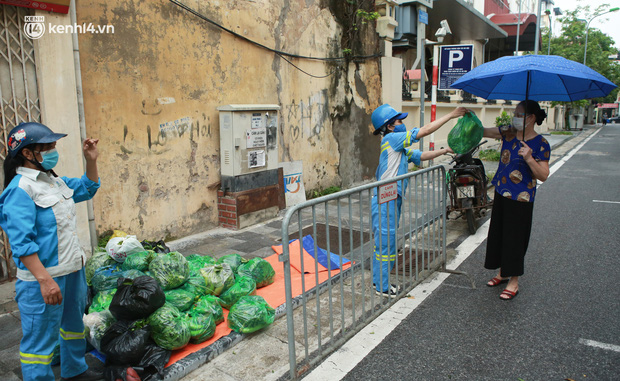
x=170 y=270
x=196 y=262
x=244 y=285
x=199 y=284
x=466 y=134
x=102 y=301
x=233 y=260
x=180 y=298
x=97 y=260
x=138 y=261
x=133 y=274
x=259 y=269
x=218 y=278
x=208 y=304
x=169 y=328
x=201 y=327
x=250 y=314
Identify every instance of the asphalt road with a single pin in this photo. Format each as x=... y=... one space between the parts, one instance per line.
x=565 y=322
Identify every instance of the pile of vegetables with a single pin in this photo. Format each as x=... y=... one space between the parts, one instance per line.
x=161 y=299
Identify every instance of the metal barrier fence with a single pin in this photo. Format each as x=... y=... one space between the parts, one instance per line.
x=336 y=308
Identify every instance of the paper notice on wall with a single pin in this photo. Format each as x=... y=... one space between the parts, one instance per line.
x=256 y=138
x=294 y=190
x=257 y=120
x=256 y=159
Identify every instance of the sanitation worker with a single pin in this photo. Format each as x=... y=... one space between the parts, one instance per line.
x=396 y=153
x=37 y=212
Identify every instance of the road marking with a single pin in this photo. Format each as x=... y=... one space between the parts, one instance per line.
x=566 y=157
x=607 y=202
x=341 y=362
x=596 y=344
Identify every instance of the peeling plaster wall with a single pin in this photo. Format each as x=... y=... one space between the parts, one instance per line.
x=160 y=160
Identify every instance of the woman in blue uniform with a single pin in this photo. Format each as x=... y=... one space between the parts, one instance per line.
x=396 y=154
x=38 y=214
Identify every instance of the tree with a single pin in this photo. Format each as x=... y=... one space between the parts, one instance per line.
x=571 y=43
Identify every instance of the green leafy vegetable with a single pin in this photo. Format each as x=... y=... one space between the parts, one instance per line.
x=218 y=278
x=244 y=285
x=259 y=269
x=170 y=270
x=169 y=328
x=250 y=314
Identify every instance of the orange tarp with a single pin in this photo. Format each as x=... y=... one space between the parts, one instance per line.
x=274 y=293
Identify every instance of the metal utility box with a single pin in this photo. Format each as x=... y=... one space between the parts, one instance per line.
x=248 y=146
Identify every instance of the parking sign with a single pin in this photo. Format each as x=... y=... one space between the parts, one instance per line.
x=454 y=62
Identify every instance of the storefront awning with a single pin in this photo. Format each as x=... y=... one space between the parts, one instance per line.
x=465 y=21
x=509 y=22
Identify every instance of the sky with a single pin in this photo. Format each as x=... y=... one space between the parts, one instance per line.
x=608 y=23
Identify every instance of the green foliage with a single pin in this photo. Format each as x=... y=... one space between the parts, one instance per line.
x=503 y=119
x=490 y=175
x=571 y=45
x=489 y=155
x=104 y=238
x=318 y=193
x=367 y=16
x=561 y=133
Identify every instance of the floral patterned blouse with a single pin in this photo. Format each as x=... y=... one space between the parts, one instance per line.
x=513 y=178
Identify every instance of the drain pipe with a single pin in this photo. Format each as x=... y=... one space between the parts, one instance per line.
x=80 y=98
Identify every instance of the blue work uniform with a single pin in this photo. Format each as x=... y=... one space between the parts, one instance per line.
x=395 y=156
x=38 y=214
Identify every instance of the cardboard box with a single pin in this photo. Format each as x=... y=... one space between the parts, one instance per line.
x=56 y=6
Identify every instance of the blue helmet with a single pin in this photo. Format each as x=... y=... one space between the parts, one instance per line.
x=28 y=133
x=384 y=114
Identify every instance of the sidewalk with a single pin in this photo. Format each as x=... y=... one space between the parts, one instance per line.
x=263 y=355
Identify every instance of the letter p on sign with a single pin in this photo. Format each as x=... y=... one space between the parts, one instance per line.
x=455 y=55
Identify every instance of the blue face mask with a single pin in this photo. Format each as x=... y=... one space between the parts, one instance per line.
x=50 y=159
x=400 y=128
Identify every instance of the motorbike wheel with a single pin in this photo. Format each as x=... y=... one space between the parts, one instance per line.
x=471 y=221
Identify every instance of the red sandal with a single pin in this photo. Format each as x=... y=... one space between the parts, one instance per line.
x=496 y=281
x=509 y=295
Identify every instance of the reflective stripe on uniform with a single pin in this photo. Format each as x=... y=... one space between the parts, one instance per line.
x=29 y=358
x=385 y=146
x=66 y=335
x=385 y=257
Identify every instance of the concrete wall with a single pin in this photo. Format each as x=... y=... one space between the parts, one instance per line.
x=59 y=107
x=161 y=181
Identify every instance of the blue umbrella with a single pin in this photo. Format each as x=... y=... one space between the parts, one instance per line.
x=535 y=77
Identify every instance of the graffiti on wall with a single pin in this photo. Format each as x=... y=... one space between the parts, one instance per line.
x=307 y=118
x=179 y=128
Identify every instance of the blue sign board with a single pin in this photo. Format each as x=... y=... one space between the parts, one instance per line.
x=423 y=17
x=454 y=62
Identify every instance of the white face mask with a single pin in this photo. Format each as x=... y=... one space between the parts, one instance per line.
x=517 y=123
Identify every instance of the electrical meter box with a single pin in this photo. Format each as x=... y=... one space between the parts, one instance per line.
x=248 y=146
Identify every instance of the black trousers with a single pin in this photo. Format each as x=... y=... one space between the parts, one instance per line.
x=509 y=235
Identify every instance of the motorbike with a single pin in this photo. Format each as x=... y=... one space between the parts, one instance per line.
x=467 y=185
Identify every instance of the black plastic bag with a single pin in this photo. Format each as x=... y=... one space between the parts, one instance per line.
x=124 y=343
x=158 y=247
x=150 y=367
x=137 y=298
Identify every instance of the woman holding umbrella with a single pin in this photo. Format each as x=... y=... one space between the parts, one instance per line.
x=524 y=161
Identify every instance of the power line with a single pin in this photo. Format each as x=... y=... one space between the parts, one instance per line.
x=279 y=53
